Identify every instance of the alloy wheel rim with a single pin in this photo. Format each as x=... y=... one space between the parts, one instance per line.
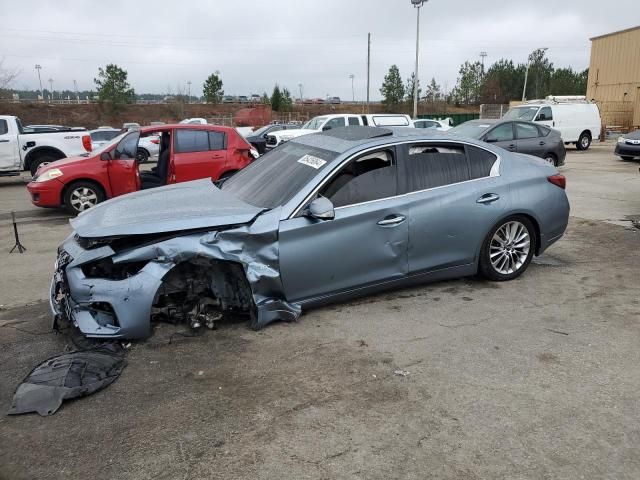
x=83 y=198
x=585 y=141
x=551 y=160
x=509 y=247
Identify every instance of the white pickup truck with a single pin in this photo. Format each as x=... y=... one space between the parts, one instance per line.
x=24 y=150
x=327 y=122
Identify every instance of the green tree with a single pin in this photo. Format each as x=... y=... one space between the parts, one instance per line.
x=539 y=78
x=434 y=92
x=392 y=88
x=410 y=88
x=503 y=82
x=112 y=86
x=469 y=83
x=286 y=103
x=566 y=81
x=276 y=99
x=212 y=89
x=265 y=98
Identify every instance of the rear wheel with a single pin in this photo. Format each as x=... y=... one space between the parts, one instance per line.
x=81 y=196
x=584 y=142
x=508 y=248
x=551 y=158
x=142 y=156
x=41 y=160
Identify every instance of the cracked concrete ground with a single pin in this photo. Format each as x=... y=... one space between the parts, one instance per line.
x=534 y=378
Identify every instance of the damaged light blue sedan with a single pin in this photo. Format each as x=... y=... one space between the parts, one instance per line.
x=325 y=217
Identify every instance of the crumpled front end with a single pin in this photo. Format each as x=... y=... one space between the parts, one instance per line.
x=113 y=288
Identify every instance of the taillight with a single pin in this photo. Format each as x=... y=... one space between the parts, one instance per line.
x=156 y=141
x=558 y=180
x=86 y=142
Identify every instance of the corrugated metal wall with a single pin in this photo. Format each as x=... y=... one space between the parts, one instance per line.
x=614 y=76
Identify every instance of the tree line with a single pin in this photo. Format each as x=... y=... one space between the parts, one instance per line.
x=502 y=82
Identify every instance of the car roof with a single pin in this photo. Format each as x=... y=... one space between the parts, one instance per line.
x=185 y=126
x=342 y=139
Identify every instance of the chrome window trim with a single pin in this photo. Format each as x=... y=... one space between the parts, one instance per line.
x=495 y=172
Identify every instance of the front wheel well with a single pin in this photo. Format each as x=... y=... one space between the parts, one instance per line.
x=79 y=180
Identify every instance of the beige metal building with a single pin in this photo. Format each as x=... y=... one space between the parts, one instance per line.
x=614 y=77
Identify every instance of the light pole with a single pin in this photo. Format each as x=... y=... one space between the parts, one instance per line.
x=526 y=73
x=189 y=91
x=75 y=88
x=353 y=92
x=38 y=67
x=300 y=88
x=417 y=4
x=51 y=88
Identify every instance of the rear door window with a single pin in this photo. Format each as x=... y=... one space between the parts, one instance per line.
x=4 y=127
x=481 y=162
x=425 y=166
x=191 y=141
x=354 y=121
x=217 y=141
x=525 y=130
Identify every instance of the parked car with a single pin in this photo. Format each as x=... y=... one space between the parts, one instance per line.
x=521 y=137
x=577 y=120
x=334 y=100
x=187 y=152
x=441 y=125
x=24 y=150
x=228 y=99
x=148 y=146
x=359 y=210
x=327 y=122
x=103 y=135
x=243 y=99
x=255 y=98
x=131 y=126
x=258 y=138
x=628 y=146
x=194 y=121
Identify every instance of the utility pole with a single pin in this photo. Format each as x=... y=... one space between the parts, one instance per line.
x=300 y=88
x=51 y=91
x=368 y=67
x=38 y=68
x=482 y=56
x=526 y=72
x=353 y=92
x=417 y=4
x=75 y=88
x=189 y=91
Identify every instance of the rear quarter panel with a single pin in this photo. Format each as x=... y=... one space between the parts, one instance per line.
x=533 y=195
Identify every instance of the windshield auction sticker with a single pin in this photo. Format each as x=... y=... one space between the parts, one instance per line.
x=312 y=161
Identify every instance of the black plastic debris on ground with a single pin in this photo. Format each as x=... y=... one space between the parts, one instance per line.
x=71 y=375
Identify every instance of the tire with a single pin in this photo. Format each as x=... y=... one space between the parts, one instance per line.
x=228 y=174
x=552 y=159
x=142 y=156
x=39 y=160
x=509 y=260
x=626 y=158
x=584 y=142
x=82 y=195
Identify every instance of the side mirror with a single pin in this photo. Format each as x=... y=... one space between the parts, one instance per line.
x=326 y=127
x=105 y=156
x=322 y=209
x=490 y=139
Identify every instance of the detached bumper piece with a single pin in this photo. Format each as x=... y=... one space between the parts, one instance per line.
x=64 y=377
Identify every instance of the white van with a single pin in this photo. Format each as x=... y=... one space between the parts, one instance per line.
x=577 y=120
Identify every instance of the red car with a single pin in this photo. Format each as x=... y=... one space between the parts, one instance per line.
x=187 y=152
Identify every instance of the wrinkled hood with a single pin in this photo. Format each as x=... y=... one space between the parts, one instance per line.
x=183 y=206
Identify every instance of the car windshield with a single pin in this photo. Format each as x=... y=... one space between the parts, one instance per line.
x=314 y=124
x=109 y=144
x=276 y=177
x=470 y=129
x=521 y=113
x=260 y=131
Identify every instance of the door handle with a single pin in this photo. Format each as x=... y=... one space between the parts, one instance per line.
x=541 y=143
x=512 y=146
x=488 y=198
x=392 y=220
x=4 y=141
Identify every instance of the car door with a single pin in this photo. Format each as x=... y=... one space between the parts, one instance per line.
x=9 y=157
x=123 y=167
x=193 y=157
x=365 y=244
x=453 y=199
x=503 y=136
x=529 y=140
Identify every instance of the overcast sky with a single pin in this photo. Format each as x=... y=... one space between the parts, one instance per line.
x=256 y=43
